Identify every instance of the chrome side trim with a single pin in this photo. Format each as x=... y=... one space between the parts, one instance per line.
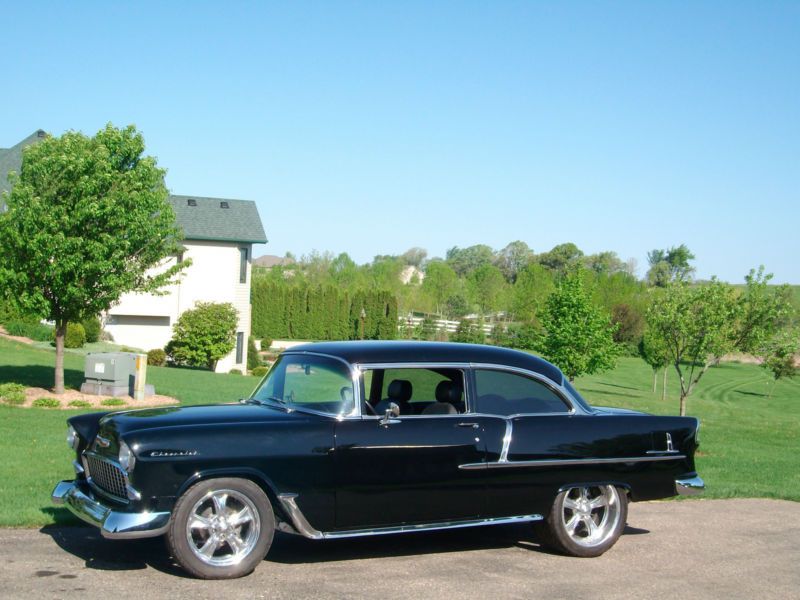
x=301 y=525
x=690 y=486
x=299 y=522
x=79 y=470
x=562 y=462
x=113 y=524
x=506 y=441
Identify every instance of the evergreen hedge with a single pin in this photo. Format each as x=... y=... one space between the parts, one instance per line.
x=285 y=311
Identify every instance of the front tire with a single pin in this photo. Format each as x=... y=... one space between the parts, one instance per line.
x=221 y=528
x=585 y=521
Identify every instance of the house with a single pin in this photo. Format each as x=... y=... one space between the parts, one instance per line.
x=218 y=236
x=268 y=261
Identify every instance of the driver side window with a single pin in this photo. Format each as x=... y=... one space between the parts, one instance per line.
x=415 y=391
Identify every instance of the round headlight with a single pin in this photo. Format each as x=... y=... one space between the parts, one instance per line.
x=127 y=460
x=72 y=437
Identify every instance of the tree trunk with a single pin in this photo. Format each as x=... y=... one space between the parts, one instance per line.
x=664 y=386
x=61 y=332
x=655 y=380
x=683 y=405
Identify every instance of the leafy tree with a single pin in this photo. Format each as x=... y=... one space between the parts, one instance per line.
x=465 y=260
x=488 y=287
x=561 y=258
x=669 y=265
x=629 y=322
x=654 y=353
x=344 y=271
x=604 y=262
x=253 y=360
x=695 y=325
x=579 y=335
x=534 y=284
x=414 y=256
x=203 y=335
x=456 y=305
x=761 y=311
x=469 y=332
x=440 y=283
x=512 y=259
x=87 y=220
x=780 y=354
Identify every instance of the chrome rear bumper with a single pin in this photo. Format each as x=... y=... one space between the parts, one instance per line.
x=113 y=524
x=690 y=486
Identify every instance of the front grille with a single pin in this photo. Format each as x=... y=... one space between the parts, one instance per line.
x=107 y=476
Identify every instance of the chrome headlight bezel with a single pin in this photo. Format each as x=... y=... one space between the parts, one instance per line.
x=127 y=459
x=73 y=439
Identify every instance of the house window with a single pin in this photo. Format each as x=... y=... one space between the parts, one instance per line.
x=240 y=348
x=242 y=265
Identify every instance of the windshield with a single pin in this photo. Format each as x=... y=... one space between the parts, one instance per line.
x=308 y=381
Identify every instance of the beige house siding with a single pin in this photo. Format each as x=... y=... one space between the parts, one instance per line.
x=145 y=321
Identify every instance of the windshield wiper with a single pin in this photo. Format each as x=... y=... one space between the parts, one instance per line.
x=265 y=400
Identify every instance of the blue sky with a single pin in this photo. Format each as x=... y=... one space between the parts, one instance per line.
x=372 y=127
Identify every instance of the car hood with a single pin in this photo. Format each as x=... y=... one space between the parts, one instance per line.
x=176 y=416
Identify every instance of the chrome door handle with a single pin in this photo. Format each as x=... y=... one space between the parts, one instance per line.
x=473 y=425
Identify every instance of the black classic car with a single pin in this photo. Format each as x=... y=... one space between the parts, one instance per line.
x=348 y=439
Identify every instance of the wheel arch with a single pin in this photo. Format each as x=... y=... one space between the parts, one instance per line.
x=248 y=473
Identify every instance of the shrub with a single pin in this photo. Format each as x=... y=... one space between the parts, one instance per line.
x=92 y=327
x=259 y=371
x=80 y=404
x=156 y=357
x=113 y=402
x=46 y=403
x=234 y=372
x=38 y=332
x=266 y=343
x=75 y=337
x=253 y=359
x=12 y=393
x=129 y=349
x=203 y=335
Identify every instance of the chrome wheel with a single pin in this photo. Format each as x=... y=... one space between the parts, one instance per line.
x=590 y=515
x=223 y=527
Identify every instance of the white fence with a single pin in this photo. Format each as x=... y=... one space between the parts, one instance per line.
x=440 y=324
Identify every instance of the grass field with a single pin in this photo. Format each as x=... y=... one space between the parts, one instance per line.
x=749 y=442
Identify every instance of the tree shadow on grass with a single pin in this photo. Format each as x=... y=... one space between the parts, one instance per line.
x=758 y=395
x=591 y=391
x=616 y=385
x=39 y=376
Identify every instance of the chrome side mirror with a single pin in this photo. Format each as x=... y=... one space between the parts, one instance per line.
x=390 y=417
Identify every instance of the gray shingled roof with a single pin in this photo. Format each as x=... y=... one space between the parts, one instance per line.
x=207 y=220
x=11 y=160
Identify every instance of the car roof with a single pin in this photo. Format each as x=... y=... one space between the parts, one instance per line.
x=374 y=351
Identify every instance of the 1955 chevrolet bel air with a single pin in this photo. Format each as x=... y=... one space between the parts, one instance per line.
x=364 y=438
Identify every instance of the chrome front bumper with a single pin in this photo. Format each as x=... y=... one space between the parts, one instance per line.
x=690 y=486
x=78 y=498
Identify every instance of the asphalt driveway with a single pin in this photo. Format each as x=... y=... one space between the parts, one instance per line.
x=690 y=549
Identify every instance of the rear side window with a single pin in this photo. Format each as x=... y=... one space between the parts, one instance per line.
x=503 y=393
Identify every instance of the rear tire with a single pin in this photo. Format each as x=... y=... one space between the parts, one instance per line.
x=221 y=528
x=585 y=521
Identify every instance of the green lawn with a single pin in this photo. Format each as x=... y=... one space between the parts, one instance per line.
x=749 y=443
